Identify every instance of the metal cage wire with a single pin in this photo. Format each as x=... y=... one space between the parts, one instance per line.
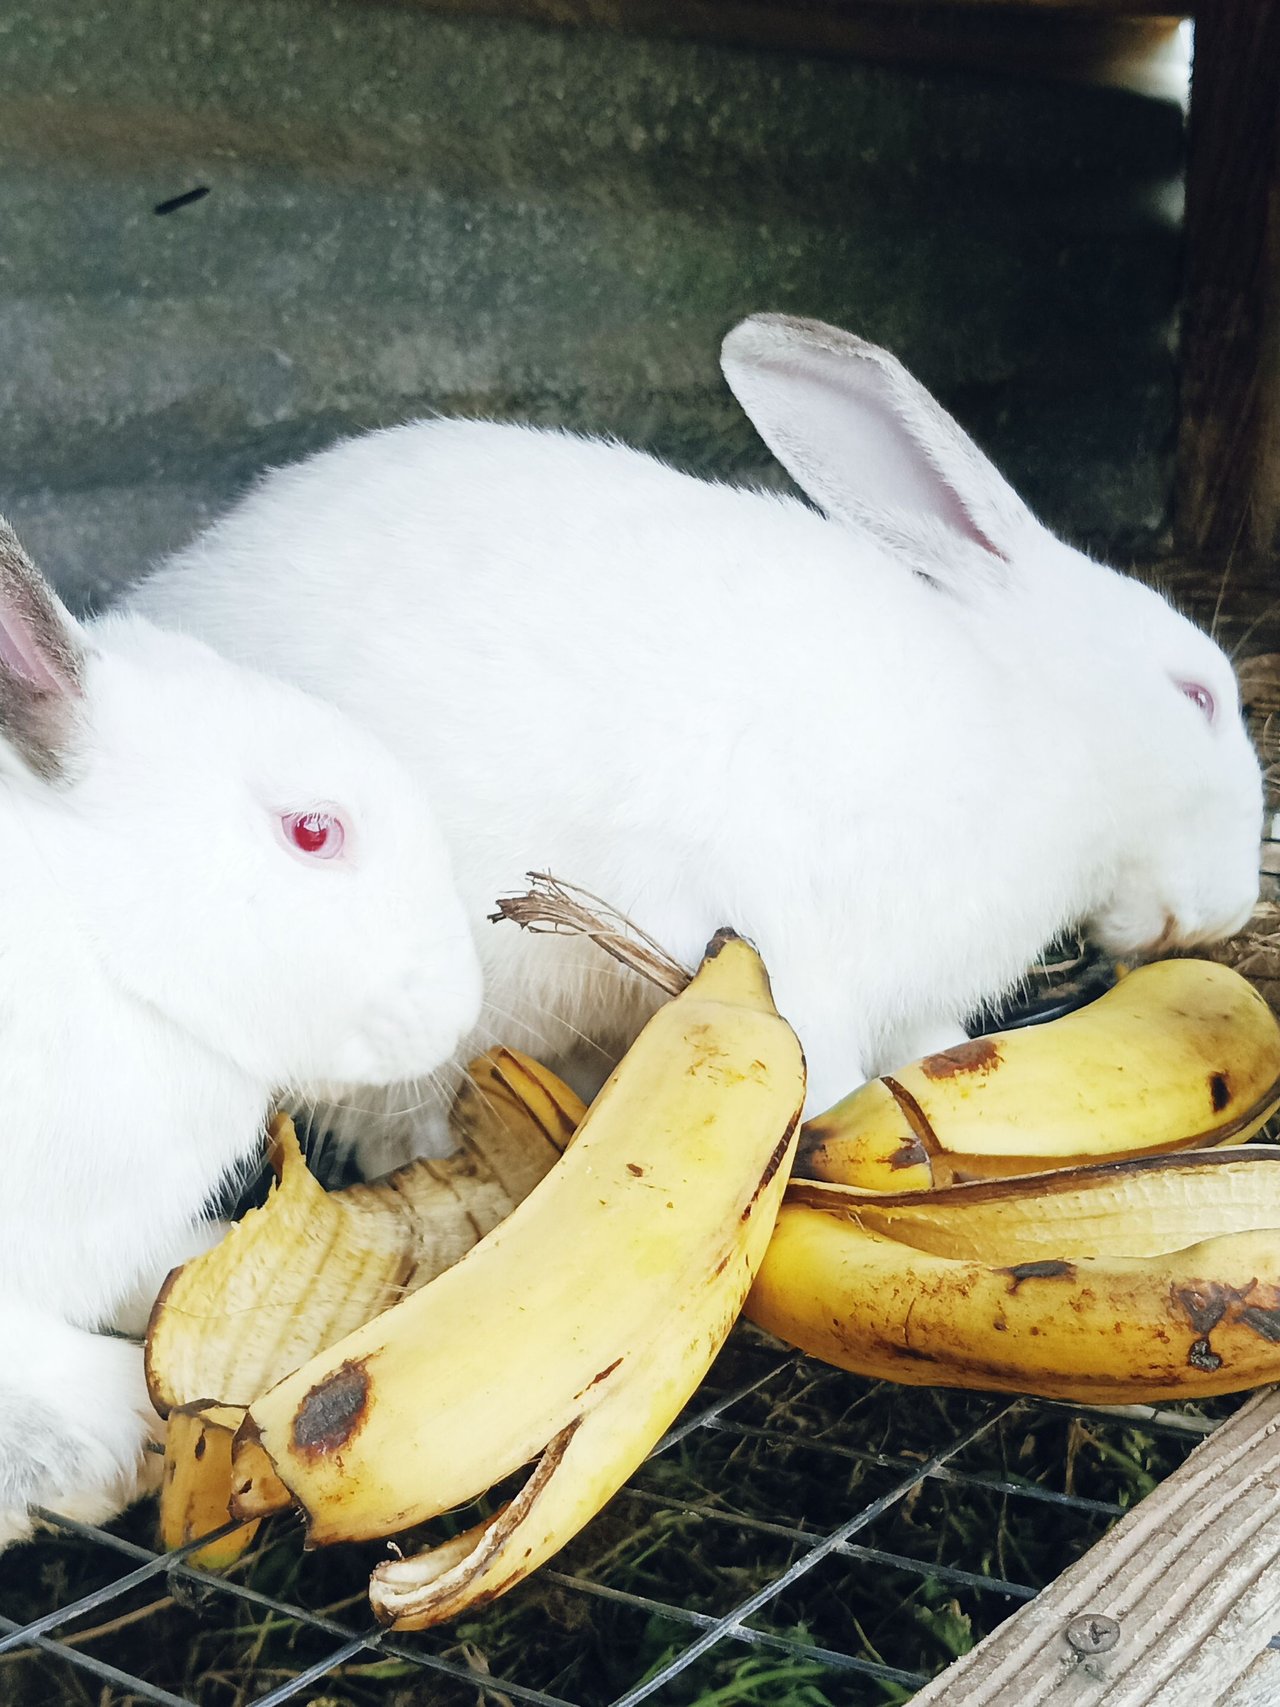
x=755 y=1410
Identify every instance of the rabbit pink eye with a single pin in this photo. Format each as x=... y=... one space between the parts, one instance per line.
x=1200 y=697
x=319 y=834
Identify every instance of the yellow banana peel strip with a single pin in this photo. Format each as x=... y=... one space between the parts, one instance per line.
x=196 y=1484
x=1144 y=1206
x=585 y=1319
x=1180 y=1054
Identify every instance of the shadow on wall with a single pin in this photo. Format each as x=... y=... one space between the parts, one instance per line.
x=410 y=213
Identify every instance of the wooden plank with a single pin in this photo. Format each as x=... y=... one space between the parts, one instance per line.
x=1228 y=485
x=1260 y=1685
x=1190 y=1577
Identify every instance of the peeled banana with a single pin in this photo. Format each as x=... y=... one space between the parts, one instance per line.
x=1139 y=1281
x=574 y=1332
x=1181 y=1054
x=310 y=1265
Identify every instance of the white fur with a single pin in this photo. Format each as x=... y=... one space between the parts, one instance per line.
x=167 y=962
x=900 y=748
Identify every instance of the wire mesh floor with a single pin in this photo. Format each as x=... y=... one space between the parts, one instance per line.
x=801 y=1538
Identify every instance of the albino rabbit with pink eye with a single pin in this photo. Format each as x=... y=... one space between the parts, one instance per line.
x=214 y=886
x=900 y=739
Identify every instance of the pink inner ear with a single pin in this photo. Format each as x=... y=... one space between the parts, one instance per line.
x=957 y=515
x=20 y=653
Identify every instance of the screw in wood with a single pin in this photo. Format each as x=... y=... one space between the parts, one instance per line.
x=1093 y=1633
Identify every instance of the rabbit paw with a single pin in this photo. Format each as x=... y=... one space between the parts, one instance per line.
x=79 y=1447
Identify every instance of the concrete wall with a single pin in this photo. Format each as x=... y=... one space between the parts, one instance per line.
x=408 y=212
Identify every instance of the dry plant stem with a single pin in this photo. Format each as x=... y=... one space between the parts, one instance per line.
x=555 y=908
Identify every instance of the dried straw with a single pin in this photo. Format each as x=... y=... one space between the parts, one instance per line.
x=553 y=908
x=1255 y=951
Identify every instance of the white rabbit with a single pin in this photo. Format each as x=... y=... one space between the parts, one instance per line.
x=901 y=744
x=213 y=886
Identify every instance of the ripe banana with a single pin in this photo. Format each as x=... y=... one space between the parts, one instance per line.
x=310 y=1265
x=1166 y=1287
x=574 y=1332
x=1181 y=1055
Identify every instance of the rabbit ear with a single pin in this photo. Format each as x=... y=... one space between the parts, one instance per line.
x=41 y=662
x=872 y=448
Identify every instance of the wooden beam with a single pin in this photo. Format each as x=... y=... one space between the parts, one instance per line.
x=1175 y=1607
x=1228 y=479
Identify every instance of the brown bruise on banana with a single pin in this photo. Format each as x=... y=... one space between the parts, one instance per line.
x=824 y=1141
x=1208 y=1305
x=604 y=1375
x=1263 y=1320
x=332 y=1413
x=979 y=1056
x=1051 y=1268
x=911 y=1153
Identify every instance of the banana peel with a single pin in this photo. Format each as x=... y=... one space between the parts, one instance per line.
x=1145 y=1206
x=1179 y=1055
x=309 y=1265
x=437 y=1344
x=195 y=1490
x=522 y=1352
x=583 y=1466
x=1133 y=1304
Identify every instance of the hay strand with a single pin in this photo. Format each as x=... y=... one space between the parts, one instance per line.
x=554 y=908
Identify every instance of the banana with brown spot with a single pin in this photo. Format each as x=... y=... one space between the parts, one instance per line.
x=1166 y=1287
x=1179 y=1055
x=575 y=1331
x=309 y=1265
